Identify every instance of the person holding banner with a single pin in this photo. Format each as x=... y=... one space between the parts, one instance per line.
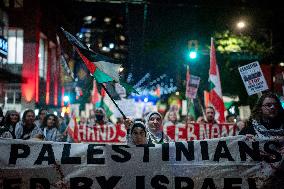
x=210 y=115
x=27 y=129
x=50 y=126
x=155 y=134
x=40 y=117
x=267 y=118
x=12 y=117
x=138 y=133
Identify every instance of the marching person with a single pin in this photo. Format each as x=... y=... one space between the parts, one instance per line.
x=50 y=128
x=267 y=121
x=27 y=129
x=12 y=117
x=100 y=117
x=40 y=117
x=171 y=118
x=267 y=118
x=155 y=134
x=138 y=134
x=210 y=115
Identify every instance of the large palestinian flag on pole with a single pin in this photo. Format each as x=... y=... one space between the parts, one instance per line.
x=215 y=90
x=100 y=66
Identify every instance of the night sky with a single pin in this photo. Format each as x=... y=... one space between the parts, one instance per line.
x=157 y=37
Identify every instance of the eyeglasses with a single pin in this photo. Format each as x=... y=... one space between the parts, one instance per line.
x=270 y=105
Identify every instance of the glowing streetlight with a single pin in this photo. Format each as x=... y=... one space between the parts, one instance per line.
x=241 y=25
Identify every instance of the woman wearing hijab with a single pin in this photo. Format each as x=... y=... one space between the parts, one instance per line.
x=99 y=117
x=267 y=119
x=155 y=134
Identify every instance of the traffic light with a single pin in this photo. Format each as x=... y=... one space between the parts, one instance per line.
x=193 y=49
x=192 y=54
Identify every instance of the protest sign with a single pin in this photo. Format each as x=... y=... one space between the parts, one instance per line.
x=253 y=78
x=102 y=134
x=192 y=86
x=195 y=131
x=231 y=162
x=127 y=106
x=95 y=133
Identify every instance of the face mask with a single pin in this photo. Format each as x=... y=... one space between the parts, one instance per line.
x=99 y=117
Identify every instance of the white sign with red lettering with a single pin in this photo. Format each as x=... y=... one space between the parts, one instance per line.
x=195 y=131
x=253 y=78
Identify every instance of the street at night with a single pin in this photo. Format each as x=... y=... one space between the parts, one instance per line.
x=141 y=94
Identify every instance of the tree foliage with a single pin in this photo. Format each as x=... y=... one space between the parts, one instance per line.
x=227 y=42
x=234 y=51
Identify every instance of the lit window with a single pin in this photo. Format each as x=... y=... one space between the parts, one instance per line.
x=122 y=38
x=6 y=3
x=42 y=57
x=14 y=3
x=88 y=19
x=107 y=19
x=10 y=97
x=118 y=25
x=19 y=3
x=15 y=46
x=18 y=96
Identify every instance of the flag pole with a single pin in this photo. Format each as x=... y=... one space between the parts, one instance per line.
x=123 y=115
x=202 y=108
x=187 y=113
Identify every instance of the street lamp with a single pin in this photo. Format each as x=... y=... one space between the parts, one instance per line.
x=241 y=24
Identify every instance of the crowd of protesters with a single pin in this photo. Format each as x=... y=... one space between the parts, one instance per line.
x=267 y=119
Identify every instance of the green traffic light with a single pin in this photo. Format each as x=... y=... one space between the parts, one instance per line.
x=192 y=54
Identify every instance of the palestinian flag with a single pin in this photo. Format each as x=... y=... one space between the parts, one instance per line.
x=107 y=104
x=215 y=90
x=100 y=66
x=95 y=95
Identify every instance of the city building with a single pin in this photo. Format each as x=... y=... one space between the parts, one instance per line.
x=33 y=53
